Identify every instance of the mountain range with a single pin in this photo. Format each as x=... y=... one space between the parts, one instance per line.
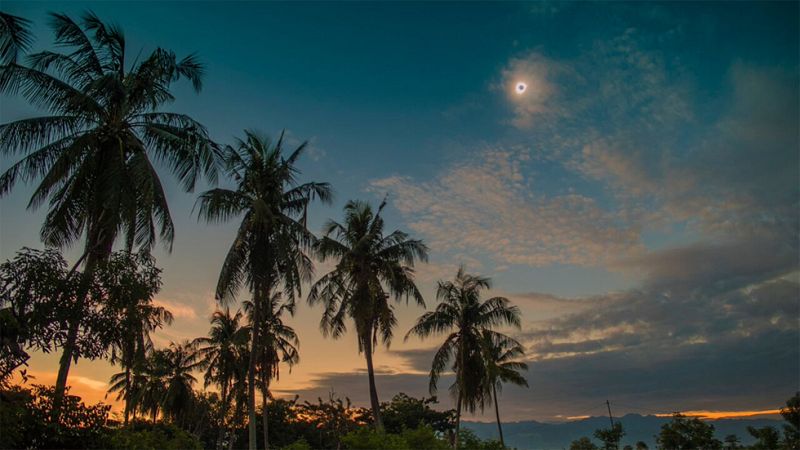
x=533 y=435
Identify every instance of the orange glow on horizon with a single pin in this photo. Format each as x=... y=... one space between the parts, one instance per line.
x=714 y=415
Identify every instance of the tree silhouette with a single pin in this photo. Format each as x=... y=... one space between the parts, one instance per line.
x=219 y=353
x=370 y=268
x=269 y=247
x=499 y=354
x=93 y=154
x=467 y=319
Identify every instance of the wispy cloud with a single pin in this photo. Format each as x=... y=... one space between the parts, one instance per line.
x=178 y=310
x=486 y=204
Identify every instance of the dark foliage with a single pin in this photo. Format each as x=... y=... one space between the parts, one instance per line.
x=25 y=421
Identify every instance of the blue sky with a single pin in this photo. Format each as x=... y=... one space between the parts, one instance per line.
x=633 y=200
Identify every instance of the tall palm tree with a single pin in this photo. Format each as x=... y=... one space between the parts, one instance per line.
x=370 y=268
x=220 y=352
x=180 y=361
x=466 y=319
x=269 y=247
x=93 y=153
x=279 y=343
x=499 y=355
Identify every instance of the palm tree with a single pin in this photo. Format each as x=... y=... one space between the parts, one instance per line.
x=370 y=269
x=139 y=319
x=130 y=385
x=93 y=152
x=220 y=352
x=150 y=392
x=180 y=361
x=269 y=247
x=279 y=343
x=467 y=319
x=499 y=354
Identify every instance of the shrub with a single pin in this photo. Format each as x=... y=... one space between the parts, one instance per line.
x=369 y=439
x=146 y=436
x=424 y=438
x=300 y=444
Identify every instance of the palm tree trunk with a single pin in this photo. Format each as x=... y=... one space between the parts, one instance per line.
x=264 y=400
x=373 y=391
x=497 y=413
x=460 y=383
x=128 y=394
x=251 y=372
x=63 y=366
x=98 y=248
x=222 y=414
x=458 y=419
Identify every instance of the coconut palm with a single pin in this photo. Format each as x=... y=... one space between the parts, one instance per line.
x=499 y=355
x=93 y=152
x=279 y=343
x=139 y=319
x=269 y=247
x=150 y=391
x=370 y=268
x=220 y=353
x=180 y=360
x=466 y=319
x=129 y=385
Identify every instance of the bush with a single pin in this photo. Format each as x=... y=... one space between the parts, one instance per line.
x=369 y=439
x=468 y=440
x=300 y=444
x=25 y=420
x=147 y=436
x=424 y=438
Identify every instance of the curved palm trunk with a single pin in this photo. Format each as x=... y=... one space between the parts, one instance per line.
x=373 y=391
x=63 y=366
x=497 y=414
x=98 y=247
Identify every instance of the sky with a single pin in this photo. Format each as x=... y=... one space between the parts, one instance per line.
x=638 y=201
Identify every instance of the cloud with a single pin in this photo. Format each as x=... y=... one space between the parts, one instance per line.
x=711 y=265
x=178 y=310
x=487 y=205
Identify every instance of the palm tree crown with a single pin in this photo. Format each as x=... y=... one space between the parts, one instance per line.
x=94 y=152
x=180 y=360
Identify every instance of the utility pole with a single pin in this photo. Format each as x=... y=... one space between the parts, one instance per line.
x=611 y=418
x=609 y=413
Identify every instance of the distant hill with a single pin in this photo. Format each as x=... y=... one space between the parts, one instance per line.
x=532 y=435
